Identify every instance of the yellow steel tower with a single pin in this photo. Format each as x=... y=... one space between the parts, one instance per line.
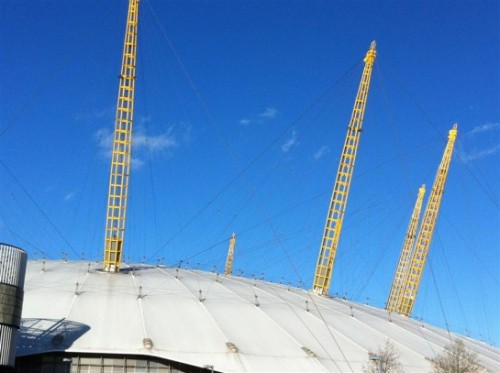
x=427 y=229
x=335 y=217
x=230 y=256
x=394 y=300
x=122 y=146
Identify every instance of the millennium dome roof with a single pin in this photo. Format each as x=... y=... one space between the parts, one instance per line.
x=204 y=319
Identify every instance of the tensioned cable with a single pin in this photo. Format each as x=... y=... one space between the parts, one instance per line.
x=486 y=190
x=393 y=131
x=229 y=149
x=16 y=180
x=65 y=61
x=9 y=227
x=483 y=187
x=453 y=282
x=251 y=163
x=220 y=134
x=439 y=299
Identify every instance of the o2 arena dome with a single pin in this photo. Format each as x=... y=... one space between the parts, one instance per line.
x=78 y=318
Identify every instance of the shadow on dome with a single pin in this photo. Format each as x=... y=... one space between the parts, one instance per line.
x=44 y=335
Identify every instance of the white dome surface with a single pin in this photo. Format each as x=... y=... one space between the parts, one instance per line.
x=232 y=323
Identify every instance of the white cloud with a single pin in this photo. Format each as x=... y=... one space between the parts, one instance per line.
x=69 y=196
x=270 y=113
x=290 y=142
x=321 y=152
x=141 y=143
x=104 y=138
x=245 y=121
x=137 y=163
x=487 y=127
x=477 y=154
x=480 y=142
x=157 y=143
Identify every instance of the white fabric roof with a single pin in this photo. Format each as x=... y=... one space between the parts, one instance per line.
x=75 y=307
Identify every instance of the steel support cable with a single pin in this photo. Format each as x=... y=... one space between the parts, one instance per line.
x=256 y=225
x=10 y=228
x=466 y=202
x=247 y=167
x=486 y=189
x=150 y=158
x=293 y=309
x=226 y=143
x=439 y=299
x=391 y=122
x=217 y=127
x=65 y=61
x=16 y=180
x=370 y=274
x=440 y=245
x=482 y=265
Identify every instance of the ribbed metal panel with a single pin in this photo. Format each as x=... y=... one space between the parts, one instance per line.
x=12 y=273
x=13 y=265
x=8 y=338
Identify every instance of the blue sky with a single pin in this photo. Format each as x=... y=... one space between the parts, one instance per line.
x=241 y=115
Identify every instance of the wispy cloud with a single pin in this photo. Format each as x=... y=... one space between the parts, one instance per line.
x=478 y=154
x=104 y=138
x=481 y=142
x=321 y=152
x=246 y=121
x=137 y=163
x=290 y=142
x=69 y=196
x=141 y=142
x=157 y=143
x=487 y=127
x=270 y=112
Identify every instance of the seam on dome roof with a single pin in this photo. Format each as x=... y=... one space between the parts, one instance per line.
x=75 y=296
x=205 y=308
x=290 y=305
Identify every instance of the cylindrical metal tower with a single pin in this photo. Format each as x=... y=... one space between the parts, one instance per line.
x=12 y=272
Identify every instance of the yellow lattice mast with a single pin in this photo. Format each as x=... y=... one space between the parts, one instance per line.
x=427 y=229
x=335 y=217
x=122 y=146
x=230 y=256
x=395 y=296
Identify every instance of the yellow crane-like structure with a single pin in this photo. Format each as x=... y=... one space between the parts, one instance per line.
x=230 y=256
x=424 y=238
x=335 y=216
x=394 y=300
x=122 y=147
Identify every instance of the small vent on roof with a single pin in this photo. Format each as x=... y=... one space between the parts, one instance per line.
x=147 y=343
x=232 y=347
x=308 y=352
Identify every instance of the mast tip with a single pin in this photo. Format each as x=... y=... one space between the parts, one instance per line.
x=373 y=45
